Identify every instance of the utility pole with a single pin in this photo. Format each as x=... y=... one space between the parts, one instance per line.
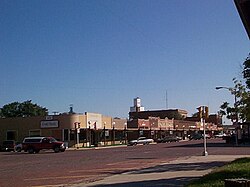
x=77 y=127
x=166 y=99
x=203 y=114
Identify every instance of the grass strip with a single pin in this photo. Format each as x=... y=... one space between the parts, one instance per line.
x=240 y=168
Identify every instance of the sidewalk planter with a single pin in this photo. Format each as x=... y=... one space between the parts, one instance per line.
x=237 y=183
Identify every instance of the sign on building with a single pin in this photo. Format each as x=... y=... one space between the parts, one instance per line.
x=49 y=124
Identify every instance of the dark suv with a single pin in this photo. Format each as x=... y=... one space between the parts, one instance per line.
x=35 y=144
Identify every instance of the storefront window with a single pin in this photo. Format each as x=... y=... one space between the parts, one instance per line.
x=11 y=135
x=34 y=133
x=65 y=134
x=72 y=134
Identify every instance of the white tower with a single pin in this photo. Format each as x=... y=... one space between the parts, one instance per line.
x=137 y=105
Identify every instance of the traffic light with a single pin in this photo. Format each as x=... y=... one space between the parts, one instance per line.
x=77 y=125
x=206 y=112
x=200 y=112
x=203 y=112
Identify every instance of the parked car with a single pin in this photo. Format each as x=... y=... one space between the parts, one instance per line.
x=18 y=147
x=168 y=139
x=35 y=144
x=221 y=135
x=8 y=145
x=196 y=137
x=141 y=140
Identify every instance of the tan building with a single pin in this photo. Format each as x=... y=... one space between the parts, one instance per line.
x=89 y=128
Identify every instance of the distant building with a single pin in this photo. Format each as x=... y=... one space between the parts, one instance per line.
x=137 y=106
x=213 y=118
x=162 y=114
x=138 y=112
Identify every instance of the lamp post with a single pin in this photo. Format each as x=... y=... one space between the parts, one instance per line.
x=77 y=126
x=233 y=91
x=89 y=133
x=235 y=98
x=151 y=131
x=104 y=131
x=176 y=130
x=183 y=129
x=113 y=132
x=125 y=132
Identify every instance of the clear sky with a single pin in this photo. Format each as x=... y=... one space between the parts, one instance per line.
x=99 y=55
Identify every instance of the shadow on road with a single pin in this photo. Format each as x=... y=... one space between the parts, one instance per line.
x=180 y=167
x=176 y=182
x=202 y=145
x=141 y=158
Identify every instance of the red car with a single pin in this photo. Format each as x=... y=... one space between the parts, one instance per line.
x=35 y=144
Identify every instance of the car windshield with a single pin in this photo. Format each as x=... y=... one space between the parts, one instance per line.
x=141 y=138
x=53 y=140
x=32 y=140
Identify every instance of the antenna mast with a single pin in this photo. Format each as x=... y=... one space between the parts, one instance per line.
x=166 y=99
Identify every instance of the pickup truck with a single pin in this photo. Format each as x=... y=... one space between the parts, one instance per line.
x=35 y=144
x=141 y=140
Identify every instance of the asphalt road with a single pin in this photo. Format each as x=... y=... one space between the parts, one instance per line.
x=87 y=165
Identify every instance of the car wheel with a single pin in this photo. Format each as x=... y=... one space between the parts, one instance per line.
x=37 y=151
x=57 y=149
x=18 y=149
x=30 y=150
x=134 y=144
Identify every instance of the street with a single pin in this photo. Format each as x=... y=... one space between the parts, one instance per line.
x=88 y=165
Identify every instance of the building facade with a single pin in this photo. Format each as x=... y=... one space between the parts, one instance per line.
x=76 y=130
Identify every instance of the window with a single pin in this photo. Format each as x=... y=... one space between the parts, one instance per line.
x=65 y=134
x=32 y=140
x=11 y=135
x=34 y=133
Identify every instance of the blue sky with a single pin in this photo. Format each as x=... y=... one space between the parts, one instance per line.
x=99 y=55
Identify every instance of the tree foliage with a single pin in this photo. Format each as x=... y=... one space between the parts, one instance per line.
x=174 y=115
x=240 y=109
x=246 y=71
x=24 y=109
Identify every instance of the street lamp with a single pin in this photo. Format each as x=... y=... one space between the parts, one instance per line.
x=151 y=129
x=125 y=132
x=113 y=132
x=104 y=131
x=184 y=132
x=89 y=133
x=233 y=91
x=202 y=114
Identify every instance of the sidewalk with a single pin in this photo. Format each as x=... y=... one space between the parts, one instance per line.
x=174 y=173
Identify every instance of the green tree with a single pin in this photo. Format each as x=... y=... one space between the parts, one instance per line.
x=246 y=71
x=24 y=109
x=174 y=115
x=240 y=109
